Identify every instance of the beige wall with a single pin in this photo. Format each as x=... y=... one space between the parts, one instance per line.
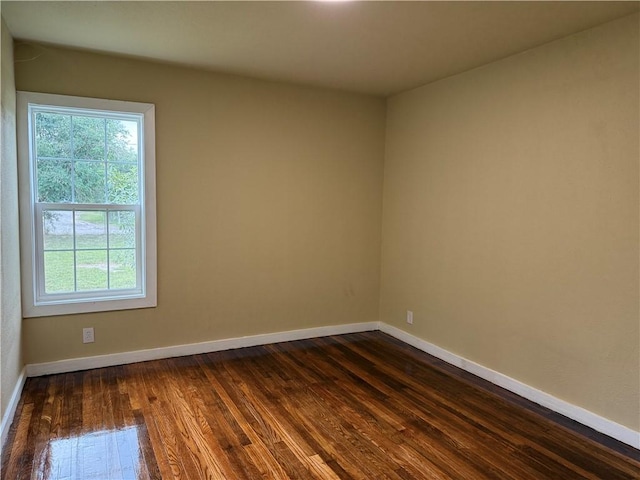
x=510 y=222
x=269 y=204
x=11 y=362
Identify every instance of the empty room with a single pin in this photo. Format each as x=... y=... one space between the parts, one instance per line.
x=320 y=240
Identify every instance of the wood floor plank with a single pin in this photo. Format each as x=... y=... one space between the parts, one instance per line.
x=163 y=413
x=151 y=448
x=263 y=436
x=350 y=407
x=208 y=456
x=41 y=429
x=291 y=441
x=16 y=465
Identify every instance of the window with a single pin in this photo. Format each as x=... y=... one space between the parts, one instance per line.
x=87 y=204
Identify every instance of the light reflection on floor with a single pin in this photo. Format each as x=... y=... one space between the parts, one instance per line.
x=102 y=455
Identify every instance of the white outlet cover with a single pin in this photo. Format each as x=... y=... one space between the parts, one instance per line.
x=410 y=317
x=88 y=335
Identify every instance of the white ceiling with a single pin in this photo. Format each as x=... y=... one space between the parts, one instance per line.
x=370 y=47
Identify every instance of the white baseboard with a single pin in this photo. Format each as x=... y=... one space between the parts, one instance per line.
x=99 y=361
x=598 y=423
x=10 y=412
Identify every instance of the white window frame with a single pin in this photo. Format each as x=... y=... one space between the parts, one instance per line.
x=34 y=303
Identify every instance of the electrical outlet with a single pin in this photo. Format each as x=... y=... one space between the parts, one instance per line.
x=87 y=335
x=409 y=317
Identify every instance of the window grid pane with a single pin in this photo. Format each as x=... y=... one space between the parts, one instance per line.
x=91 y=270
x=122 y=268
x=57 y=230
x=53 y=135
x=53 y=180
x=88 y=138
x=59 y=272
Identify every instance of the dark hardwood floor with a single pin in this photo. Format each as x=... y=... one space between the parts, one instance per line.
x=360 y=406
